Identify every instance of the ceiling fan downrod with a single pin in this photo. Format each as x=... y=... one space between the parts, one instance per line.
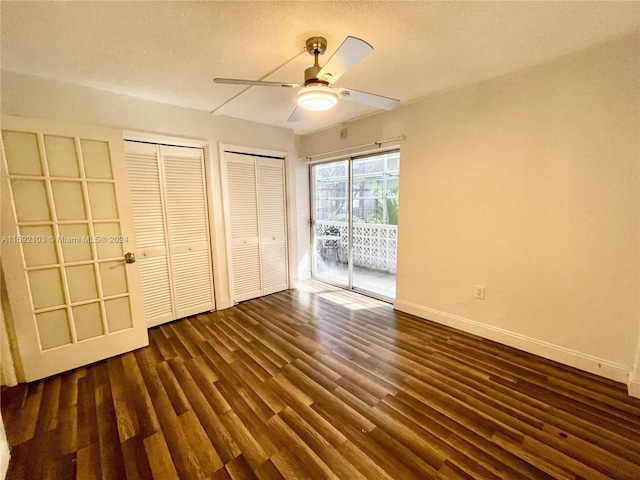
x=316 y=46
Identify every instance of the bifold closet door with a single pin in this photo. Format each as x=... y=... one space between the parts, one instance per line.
x=243 y=226
x=188 y=229
x=171 y=223
x=145 y=188
x=257 y=225
x=273 y=225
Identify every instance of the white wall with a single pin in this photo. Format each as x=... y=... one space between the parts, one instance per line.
x=528 y=185
x=30 y=96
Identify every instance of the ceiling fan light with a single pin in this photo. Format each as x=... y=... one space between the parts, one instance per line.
x=317 y=98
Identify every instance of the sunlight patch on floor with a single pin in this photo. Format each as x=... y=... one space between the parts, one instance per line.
x=339 y=296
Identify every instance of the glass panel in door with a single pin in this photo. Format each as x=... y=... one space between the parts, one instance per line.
x=375 y=223
x=330 y=213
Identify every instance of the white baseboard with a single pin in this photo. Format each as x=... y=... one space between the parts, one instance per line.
x=582 y=361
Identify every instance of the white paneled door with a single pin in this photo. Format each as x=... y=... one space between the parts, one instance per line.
x=66 y=231
x=257 y=226
x=169 y=200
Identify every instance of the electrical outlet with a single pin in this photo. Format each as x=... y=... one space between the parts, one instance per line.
x=479 y=292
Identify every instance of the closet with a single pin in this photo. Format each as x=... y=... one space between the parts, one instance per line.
x=256 y=224
x=169 y=202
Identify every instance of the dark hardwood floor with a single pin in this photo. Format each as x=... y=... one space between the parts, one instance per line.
x=320 y=383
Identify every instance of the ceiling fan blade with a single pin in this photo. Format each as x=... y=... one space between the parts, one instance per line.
x=371 y=99
x=253 y=83
x=346 y=56
x=296 y=115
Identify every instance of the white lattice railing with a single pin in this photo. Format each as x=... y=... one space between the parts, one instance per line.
x=374 y=246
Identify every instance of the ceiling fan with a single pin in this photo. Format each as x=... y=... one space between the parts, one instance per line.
x=315 y=93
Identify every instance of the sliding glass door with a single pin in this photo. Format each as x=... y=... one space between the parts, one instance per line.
x=374 y=219
x=330 y=225
x=355 y=222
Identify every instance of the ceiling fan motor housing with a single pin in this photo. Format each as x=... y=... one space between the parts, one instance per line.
x=311 y=76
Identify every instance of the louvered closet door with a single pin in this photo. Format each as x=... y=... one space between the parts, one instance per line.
x=151 y=240
x=243 y=225
x=273 y=225
x=171 y=223
x=188 y=229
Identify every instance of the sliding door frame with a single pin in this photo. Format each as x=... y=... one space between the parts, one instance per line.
x=312 y=197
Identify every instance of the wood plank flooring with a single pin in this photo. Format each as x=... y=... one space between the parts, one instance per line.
x=318 y=383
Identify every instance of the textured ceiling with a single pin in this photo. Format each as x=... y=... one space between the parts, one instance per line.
x=170 y=51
